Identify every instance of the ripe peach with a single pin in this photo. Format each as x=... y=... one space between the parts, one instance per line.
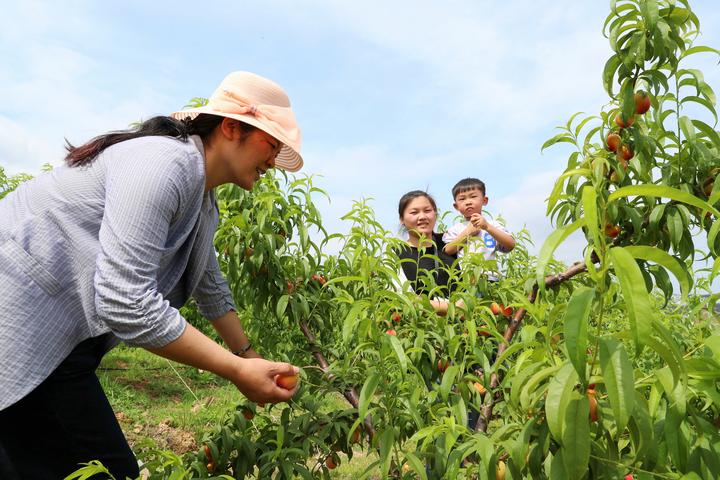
x=642 y=102
x=287 y=382
x=624 y=123
x=613 y=141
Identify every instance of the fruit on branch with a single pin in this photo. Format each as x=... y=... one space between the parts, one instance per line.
x=622 y=122
x=593 y=405
x=247 y=413
x=330 y=463
x=480 y=388
x=287 y=382
x=612 y=231
x=396 y=317
x=495 y=308
x=290 y=287
x=613 y=141
x=391 y=332
x=355 y=438
x=626 y=153
x=708 y=185
x=500 y=471
x=318 y=278
x=248 y=252
x=442 y=365
x=642 y=102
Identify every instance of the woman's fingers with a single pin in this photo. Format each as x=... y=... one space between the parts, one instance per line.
x=262 y=381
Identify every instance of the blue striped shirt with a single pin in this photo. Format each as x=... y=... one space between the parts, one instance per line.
x=116 y=246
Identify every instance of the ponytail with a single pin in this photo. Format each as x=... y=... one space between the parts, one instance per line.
x=201 y=125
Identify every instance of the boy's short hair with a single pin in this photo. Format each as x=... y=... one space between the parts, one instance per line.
x=467 y=184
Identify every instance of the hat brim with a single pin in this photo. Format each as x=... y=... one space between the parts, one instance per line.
x=287 y=159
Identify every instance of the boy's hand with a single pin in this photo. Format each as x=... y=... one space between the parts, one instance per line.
x=478 y=221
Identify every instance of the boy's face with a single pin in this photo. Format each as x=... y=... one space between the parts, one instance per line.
x=470 y=202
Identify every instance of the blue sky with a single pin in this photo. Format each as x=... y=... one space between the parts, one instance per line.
x=391 y=96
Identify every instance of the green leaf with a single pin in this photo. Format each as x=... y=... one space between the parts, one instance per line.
x=709 y=132
x=560 y=389
x=559 y=138
x=699 y=49
x=627 y=100
x=531 y=385
x=702 y=101
x=635 y=295
x=576 y=321
x=551 y=243
x=619 y=380
x=687 y=128
x=662 y=258
x=576 y=436
x=399 y=353
x=589 y=201
x=557 y=188
x=282 y=306
x=712 y=235
x=387 y=441
x=416 y=464
x=367 y=392
x=448 y=381
x=662 y=191
x=349 y=324
x=650 y=13
x=656 y=216
x=611 y=67
x=676 y=228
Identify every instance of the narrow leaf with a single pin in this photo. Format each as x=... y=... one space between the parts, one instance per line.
x=576 y=321
x=636 y=297
x=560 y=389
x=665 y=260
x=619 y=380
x=551 y=243
x=576 y=437
x=662 y=191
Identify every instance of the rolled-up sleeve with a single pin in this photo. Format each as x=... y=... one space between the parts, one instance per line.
x=212 y=295
x=143 y=194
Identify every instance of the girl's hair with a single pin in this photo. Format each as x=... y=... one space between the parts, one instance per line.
x=408 y=197
x=202 y=125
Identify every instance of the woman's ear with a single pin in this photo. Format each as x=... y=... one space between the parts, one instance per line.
x=227 y=128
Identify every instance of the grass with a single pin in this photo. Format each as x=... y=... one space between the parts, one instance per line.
x=156 y=399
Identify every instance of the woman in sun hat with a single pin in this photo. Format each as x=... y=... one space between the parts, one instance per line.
x=107 y=249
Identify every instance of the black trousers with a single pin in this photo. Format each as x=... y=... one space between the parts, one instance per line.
x=65 y=421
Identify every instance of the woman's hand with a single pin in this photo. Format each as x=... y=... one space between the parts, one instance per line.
x=256 y=379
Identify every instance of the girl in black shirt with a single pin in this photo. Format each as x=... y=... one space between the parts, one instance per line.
x=423 y=260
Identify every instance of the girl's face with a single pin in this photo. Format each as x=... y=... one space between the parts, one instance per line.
x=419 y=217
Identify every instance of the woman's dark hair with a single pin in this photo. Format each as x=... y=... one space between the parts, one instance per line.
x=408 y=197
x=161 y=126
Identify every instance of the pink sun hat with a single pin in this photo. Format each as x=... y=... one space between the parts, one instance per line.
x=259 y=102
